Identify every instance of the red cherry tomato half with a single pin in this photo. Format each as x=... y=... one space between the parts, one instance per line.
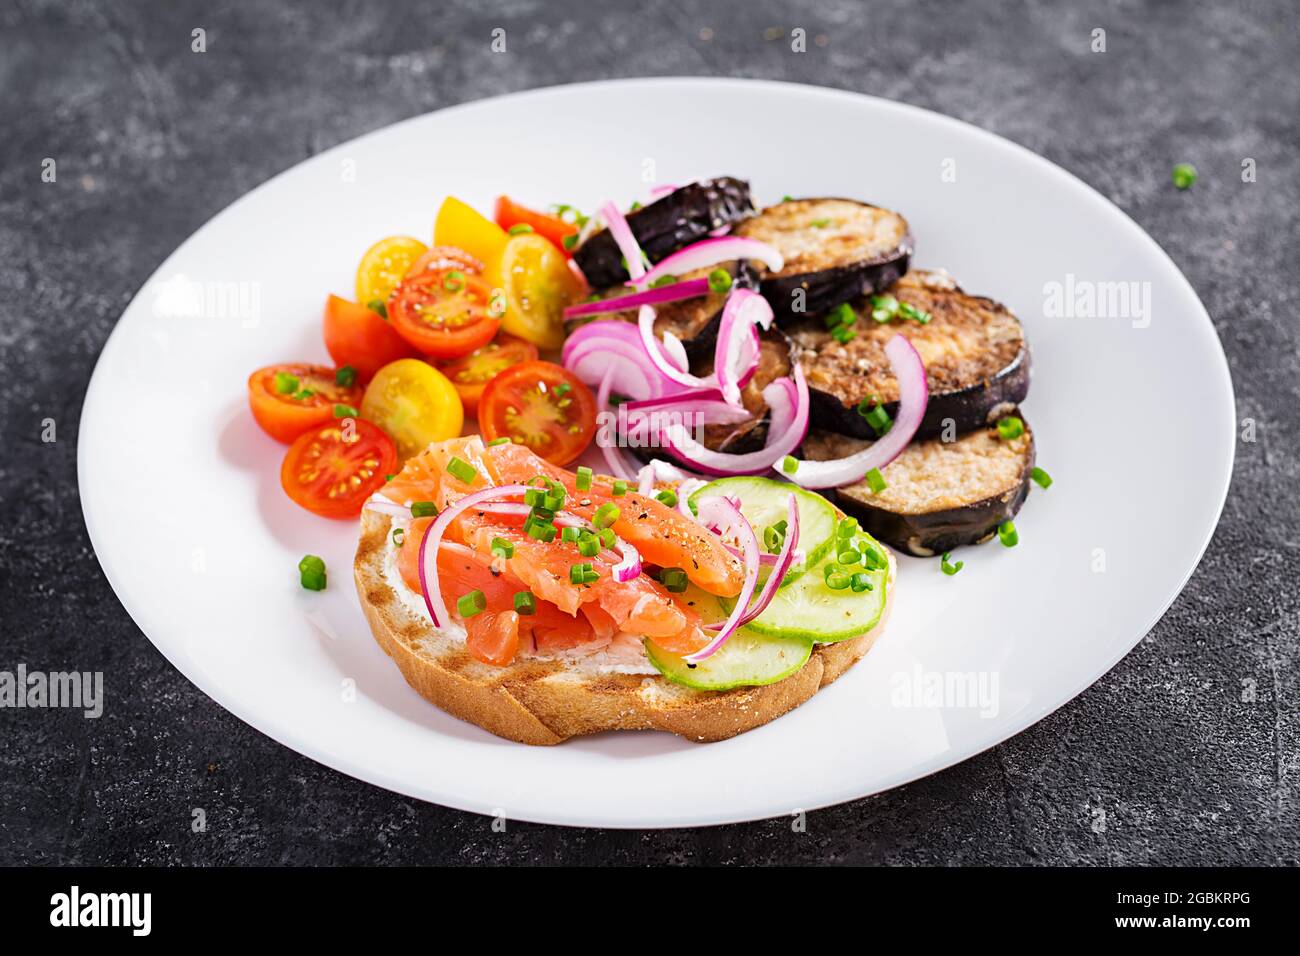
x=541 y=405
x=445 y=313
x=287 y=400
x=358 y=336
x=471 y=374
x=331 y=470
x=510 y=214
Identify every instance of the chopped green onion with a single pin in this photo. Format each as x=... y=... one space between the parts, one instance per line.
x=663 y=281
x=787 y=198
x=582 y=573
x=876 y=416
x=606 y=515
x=861 y=581
x=520 y=229
x=345 y=411
x=379 y=307
x=847 y=528
x=346 y=376
x=389 y=477
x=909 y=311
x=525 y=602
x=883 y=307
x=843 y=334
x=584 y=478
x=820 y=223
x=570 y=242
x=607 y=538
x=1008 y=535
x=1184 y=175
x=789 y=464
x=454 y=281
x=311 y=572
x=589 y=546
x=423 y=509
x=872 y=558
x=773 y=538
x=540 y=530
x=467 y=605
x=876 y=481
x=842 y=314
x=570 y=534
x=399 y=536
x=673 y=579
x=848 y=557
x=619 y=489
x=950 y=569
x=668 y=497
x=499 y=441
x=533 y=497
x=285 y=383
x=561 y=390
x=719 y=280
x=462 y=470
x=1041 y=478
x=553 y=502
x=838 y=580
x=1010 y=427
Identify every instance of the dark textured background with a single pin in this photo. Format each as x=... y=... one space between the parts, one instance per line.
x=1168 y=759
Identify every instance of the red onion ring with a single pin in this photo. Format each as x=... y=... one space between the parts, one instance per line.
x=614 y=458
x=689 y=289
x=621 y=233
x=718 y=510
x=708 y=252
x=646 y=324
x=913 y=394
x=734 y=364
x=706 y=402
x=781 y=567
x=785 y=433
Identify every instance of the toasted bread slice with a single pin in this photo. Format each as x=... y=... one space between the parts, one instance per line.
x=548 y=701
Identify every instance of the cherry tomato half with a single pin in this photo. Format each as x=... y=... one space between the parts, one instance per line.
x=471 y=374
x=358 y=336
x=510 y=214
x=384 y=264
x=331 y=470
x=287 y=400
x=445 y=313
x=445 y=257
x=541 y=405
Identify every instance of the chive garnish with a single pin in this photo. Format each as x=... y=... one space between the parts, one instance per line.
x=876 y=481
x=950 y=569
x=467 y=605
x=423 y=509
x=1041 y=478
x=462 y=470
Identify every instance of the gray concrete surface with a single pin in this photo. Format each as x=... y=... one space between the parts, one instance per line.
x=1168 y=759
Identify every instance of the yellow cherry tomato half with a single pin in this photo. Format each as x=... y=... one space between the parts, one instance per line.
x=414 y=403
x=462 y=226
x=384 y=265
x=538 y=285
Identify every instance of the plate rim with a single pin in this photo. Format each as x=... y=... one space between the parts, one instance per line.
x=285 y=734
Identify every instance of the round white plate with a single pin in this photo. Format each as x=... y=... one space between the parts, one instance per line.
x=1133 y=414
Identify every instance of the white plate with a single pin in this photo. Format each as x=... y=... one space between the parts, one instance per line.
x=182 y=498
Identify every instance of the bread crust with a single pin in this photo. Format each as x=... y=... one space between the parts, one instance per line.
x=547 y=702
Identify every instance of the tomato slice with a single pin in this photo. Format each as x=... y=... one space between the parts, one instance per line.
x=542 y=406
x=552 y=228
x=331 y=470
x=287 y=400
x=358 y=336
x=414 y=403
x=462 y=226
x=538 y=284
x=383 y=266
x=445 y=257
x=471 y=374
x=445 y=313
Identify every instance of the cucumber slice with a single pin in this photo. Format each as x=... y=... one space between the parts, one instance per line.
x=763 y=503
x=748 y=659
x=807 y=609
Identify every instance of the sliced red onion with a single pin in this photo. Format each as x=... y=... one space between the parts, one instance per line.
x=735 y=358
x=705 y=402
x=621 y=233
x=646 y=325
x=615 y=460
x=689 y=289
x=785 y=433
x=675 y=351
x=708 y=252
x=913 y=395
x=718 y=510
x=429 y=568
x=784 y=560
x=387 y=506
x=684 y=491
x=645 y=481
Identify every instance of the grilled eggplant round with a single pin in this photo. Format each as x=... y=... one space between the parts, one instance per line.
x=834 y=251
x=684 y=216
x=975 y=353
x=694 y=321
x=939 y=495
